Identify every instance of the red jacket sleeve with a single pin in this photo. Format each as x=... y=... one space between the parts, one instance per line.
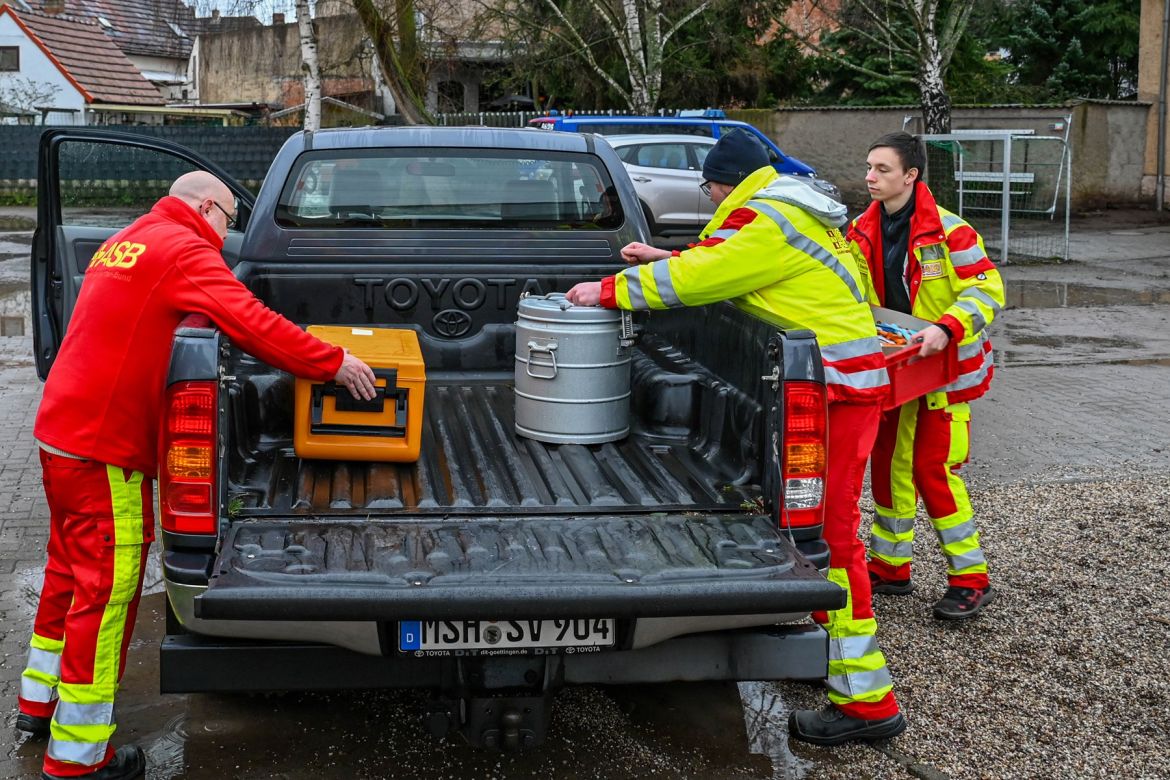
x=206 y=285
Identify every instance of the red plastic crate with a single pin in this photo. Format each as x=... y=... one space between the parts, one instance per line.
x=912 y=376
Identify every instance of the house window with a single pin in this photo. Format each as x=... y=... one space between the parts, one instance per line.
x=9 y=59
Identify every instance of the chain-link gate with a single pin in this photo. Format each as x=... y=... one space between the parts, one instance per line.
x=1014 y=188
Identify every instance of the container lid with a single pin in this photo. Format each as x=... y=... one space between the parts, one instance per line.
x=554 y=306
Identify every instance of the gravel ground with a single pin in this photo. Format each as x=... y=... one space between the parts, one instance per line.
x=1066 y=674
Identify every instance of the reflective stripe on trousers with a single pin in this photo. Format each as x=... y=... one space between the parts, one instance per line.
x=101 y=518
x=859 y=682
x=857 y=668
x=918 y=452
x=42 y=672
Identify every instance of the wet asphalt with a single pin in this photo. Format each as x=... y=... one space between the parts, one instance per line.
x=1066 y=676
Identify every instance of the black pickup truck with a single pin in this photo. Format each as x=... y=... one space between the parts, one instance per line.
x=496 y=568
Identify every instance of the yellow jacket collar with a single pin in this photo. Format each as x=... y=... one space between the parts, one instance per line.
x=746 y=190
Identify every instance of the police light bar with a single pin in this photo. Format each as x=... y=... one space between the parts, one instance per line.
x=702 y=113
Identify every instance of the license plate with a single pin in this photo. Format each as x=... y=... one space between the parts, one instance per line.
x=443 y=637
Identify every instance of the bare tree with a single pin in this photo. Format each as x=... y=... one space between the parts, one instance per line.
x=924 y=31
x=639 y=29
x=26 y=94
x=309 y=65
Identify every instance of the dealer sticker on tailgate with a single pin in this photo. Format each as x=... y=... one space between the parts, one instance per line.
x=456 y=637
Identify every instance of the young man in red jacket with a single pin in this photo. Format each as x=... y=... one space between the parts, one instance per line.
x=925 y=261
x=97 y=428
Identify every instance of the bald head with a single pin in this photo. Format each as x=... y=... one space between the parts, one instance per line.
x=197 y=186
x=209 y=196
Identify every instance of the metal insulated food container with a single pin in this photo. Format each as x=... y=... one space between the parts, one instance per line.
x=572 y=371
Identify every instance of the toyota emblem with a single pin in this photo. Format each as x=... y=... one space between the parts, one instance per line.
x=452 y=323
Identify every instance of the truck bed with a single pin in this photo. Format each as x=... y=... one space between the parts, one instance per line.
x=472 y=462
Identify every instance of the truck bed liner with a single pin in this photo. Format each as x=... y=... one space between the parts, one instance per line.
x=473 y=463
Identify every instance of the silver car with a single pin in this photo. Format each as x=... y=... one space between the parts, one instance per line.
x=667 y=171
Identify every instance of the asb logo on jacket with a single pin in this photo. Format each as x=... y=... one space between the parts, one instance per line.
x=122 y=255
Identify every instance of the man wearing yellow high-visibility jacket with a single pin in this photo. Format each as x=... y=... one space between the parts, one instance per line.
x=924 y=260
x=775 y=244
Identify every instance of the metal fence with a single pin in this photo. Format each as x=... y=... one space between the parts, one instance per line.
x=1013 y=186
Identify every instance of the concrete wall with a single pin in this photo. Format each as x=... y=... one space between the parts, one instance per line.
x=263 y=65
x=1109 y=151
x=37 y=67
x=256 y=65
x=1108 y=141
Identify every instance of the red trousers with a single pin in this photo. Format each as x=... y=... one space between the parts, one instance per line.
x=859 y=682
x=101 y=525
x=920 y=449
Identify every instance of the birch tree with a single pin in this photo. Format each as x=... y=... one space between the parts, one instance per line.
x=924 y=32
x=640 y=31
x=310 y=66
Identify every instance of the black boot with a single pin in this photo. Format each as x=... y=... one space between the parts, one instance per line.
x=890 y=587
x=38 y=727
x=831 y=726
x=128 y=763
x=963 y=603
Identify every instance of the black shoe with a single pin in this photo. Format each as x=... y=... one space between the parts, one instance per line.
x=128 y=763
x=890 y=587
x=38 y=727
x=962 y=603
x=831 y=726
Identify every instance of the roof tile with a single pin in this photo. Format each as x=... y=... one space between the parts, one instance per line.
x=153 y=28
x=92 y=59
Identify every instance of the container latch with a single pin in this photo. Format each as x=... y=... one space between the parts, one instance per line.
x=628 y=335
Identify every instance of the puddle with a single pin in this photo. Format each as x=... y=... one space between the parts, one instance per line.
x=29 y=581
x=1140 y=362
x=765 y=717
x=1059 y=295
x=1022 y=359
x=1054 y=342
x=14 y=222
x=15 y=309
x=15 y=245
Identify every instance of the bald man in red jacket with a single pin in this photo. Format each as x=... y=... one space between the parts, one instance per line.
x=98 y=432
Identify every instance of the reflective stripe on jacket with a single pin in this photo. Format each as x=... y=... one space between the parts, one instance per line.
x=950 y=279
x=774 y=245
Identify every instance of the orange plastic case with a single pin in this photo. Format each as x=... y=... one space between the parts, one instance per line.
x=910 y=375
x=333 y=425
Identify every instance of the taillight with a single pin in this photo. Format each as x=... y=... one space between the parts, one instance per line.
x=187 y=495
x=803 y=461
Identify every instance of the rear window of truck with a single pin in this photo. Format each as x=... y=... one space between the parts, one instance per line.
x=449 y=189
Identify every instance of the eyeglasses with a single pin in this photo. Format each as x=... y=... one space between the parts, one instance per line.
x=706 y=188
x=232 y=219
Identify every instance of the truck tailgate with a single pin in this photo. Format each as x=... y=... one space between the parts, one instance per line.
x=595 y=566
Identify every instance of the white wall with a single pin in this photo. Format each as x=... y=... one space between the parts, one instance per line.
x=37 y=67
x=166 y=73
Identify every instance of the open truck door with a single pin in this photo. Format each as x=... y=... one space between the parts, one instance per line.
x=91 y=183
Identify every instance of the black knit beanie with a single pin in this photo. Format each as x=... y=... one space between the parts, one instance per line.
x=736 y=155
